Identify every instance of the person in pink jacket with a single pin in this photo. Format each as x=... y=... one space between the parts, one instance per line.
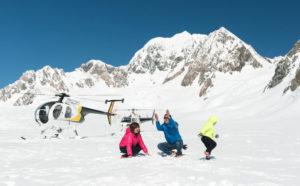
x=132 y=142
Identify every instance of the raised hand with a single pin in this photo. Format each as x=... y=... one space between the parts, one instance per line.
x=168 y=113
x=156 y=117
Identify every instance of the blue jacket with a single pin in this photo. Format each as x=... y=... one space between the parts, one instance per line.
x=170 y=130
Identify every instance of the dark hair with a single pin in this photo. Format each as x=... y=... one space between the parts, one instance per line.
x=134 y=126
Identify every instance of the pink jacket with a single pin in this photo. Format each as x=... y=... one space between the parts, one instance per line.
x=130 y=139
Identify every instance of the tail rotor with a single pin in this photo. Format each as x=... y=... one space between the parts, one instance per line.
x=110 y=109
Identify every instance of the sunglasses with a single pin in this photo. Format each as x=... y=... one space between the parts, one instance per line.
x=166 y=118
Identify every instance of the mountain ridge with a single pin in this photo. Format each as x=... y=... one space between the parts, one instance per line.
x=189 y=58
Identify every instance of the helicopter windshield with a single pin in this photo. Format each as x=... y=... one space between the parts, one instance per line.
x=42 y=113
x=135 y=120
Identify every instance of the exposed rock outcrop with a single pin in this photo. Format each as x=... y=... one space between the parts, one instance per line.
x=286 y=66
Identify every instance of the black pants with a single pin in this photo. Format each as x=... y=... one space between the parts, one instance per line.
x=209 y=143
x=135 y=150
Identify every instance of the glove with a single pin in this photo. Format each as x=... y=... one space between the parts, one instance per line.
x=217 y=136
x=199 y=135
x=184 y=146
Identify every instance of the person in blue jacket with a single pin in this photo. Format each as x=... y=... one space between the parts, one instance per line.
x=171 y=132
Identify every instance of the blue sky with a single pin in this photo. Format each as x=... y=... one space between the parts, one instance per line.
x=67 y=33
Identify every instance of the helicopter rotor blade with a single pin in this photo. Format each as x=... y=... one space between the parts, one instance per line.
x=53 y=93
x=143 y=109
x=35 y=94
x=153 y=116
x=124 y=109
x=133 y=109
x=95 y=95
x=88 y=99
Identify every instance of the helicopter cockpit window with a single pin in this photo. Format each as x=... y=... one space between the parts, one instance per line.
x=43 y=114
x=134 y=120
x=57 y=111
x=68 y=113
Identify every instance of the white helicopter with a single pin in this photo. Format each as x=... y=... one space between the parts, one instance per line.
x=67 y=110
x=134 y=117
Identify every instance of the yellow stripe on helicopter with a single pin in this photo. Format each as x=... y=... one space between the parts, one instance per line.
x=78 y=117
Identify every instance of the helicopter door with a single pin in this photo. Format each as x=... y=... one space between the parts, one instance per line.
x=57 y=111
x=63 y=112
x=68 y=113
x=71 y=112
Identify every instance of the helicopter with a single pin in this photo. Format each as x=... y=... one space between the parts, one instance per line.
x=134 y=117
x=69 y=110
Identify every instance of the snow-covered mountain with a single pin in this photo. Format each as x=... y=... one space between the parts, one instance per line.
x=191 y=59
x=35 y=82
x=287 y=70
x=195 y=57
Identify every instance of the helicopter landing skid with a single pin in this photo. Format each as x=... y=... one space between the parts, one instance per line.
x=124 y=126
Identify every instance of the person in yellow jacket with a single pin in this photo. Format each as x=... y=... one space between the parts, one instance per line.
x=207 y=133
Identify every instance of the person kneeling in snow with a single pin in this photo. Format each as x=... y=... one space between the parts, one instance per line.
x=174 y=140
x=207 y=133
x=132 y=142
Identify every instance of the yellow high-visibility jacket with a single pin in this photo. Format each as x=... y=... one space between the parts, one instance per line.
x=208 y=129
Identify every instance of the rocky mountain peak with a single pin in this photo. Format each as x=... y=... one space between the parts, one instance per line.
x=164 y=54
x=221 y=51
x=295 y=50
x=94 y=66
x=223 y=30
x=100 y=71
x=181 y=36
x=288 y=66
x=223 y=35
